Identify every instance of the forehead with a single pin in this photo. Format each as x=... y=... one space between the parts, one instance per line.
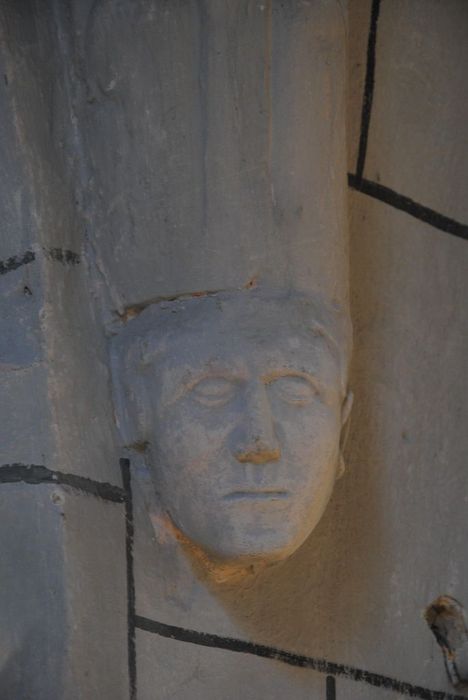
x=243 y=341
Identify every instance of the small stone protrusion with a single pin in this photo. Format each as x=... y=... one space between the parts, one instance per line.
x=446 y=619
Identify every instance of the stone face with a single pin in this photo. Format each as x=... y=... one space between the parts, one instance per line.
x=239 y=400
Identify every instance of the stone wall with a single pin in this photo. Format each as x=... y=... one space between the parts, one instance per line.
x=100 y=217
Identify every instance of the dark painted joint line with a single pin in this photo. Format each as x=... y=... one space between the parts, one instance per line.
x=368 y=88
x=16 y=261
x=331 y=688
x=409 y=206
x=129 y=534
x=62 y=255
x=38 y=474
x=320 y=665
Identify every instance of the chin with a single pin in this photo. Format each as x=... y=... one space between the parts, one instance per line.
x=245 y=552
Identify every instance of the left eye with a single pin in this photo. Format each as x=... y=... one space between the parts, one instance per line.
x=213 y=392
x=294 y=389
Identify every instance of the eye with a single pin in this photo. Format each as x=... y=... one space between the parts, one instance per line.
x=294 y=389
x=213 y=391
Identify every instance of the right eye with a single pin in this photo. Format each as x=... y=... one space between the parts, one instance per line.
x=214 y=391
x=294 y=389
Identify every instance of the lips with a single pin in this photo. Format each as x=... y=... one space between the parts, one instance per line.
x=257 y=495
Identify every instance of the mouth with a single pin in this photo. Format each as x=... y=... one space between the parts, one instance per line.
x=263 y=495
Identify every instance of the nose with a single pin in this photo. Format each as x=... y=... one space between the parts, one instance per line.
x=256 y=441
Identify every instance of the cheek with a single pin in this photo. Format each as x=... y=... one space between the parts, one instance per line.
x=310 y=434
x=188 y=434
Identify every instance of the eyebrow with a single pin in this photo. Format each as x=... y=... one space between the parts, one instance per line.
x=289 y=372
x=197 y=376
x=319 y=386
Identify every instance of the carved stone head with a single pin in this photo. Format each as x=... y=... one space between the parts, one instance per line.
x=240 y=398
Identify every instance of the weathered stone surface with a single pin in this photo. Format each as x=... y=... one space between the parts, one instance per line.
x=51 y=313
x=62 y=554
x=218 y=170
x=150 y=149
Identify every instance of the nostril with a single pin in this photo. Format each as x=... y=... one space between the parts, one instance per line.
x=258 y=455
